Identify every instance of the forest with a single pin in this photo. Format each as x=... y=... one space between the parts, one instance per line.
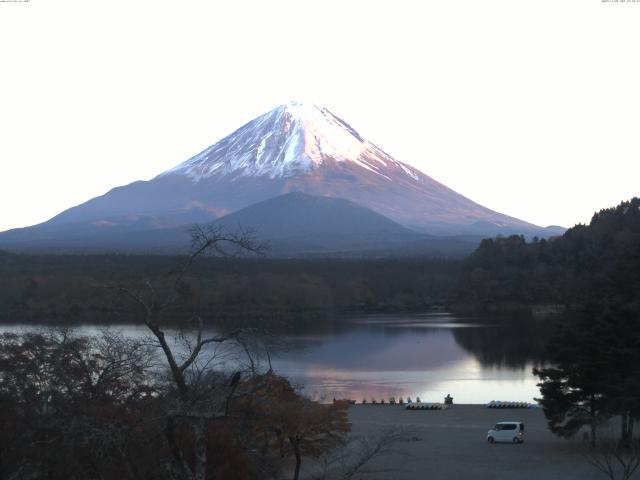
x=596 y=262
x=599 y=260
x=593 y=353
x=80 y=288
x=165 y=406
x=103 y=407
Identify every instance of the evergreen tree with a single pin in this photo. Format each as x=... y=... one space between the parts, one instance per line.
x=573 y=388
x=596 y=371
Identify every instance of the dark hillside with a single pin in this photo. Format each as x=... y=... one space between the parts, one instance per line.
x=595 y=262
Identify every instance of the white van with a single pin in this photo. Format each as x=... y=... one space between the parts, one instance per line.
x=506 y=432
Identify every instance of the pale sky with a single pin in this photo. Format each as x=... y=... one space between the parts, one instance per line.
x=529 y=107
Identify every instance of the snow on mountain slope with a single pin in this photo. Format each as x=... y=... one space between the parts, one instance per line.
x=291 y=139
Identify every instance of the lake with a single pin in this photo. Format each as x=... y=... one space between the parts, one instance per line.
x=475 y=359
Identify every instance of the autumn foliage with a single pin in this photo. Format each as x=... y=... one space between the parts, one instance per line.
x=82 y=408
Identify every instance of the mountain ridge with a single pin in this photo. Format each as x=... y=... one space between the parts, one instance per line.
x=292 y=148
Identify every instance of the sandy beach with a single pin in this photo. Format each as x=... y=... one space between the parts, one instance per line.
x=451 y=444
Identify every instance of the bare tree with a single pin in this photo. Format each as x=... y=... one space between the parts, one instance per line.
x=200 y=396
x=615 y=460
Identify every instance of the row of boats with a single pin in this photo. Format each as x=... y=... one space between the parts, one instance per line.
x=448 y=401
x=501 y=404
x=391 y=401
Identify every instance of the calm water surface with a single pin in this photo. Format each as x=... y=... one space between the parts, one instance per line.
x=474 y=359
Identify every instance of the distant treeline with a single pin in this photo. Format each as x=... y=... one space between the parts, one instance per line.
x=597 y=262
x=79 y=288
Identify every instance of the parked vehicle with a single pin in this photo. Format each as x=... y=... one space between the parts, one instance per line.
x=506 y=432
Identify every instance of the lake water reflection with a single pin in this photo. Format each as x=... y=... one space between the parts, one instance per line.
x=474 y=359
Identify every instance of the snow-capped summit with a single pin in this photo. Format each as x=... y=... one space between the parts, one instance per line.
x=290 y=139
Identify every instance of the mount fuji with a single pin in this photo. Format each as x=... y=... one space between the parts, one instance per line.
x=293 y=148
